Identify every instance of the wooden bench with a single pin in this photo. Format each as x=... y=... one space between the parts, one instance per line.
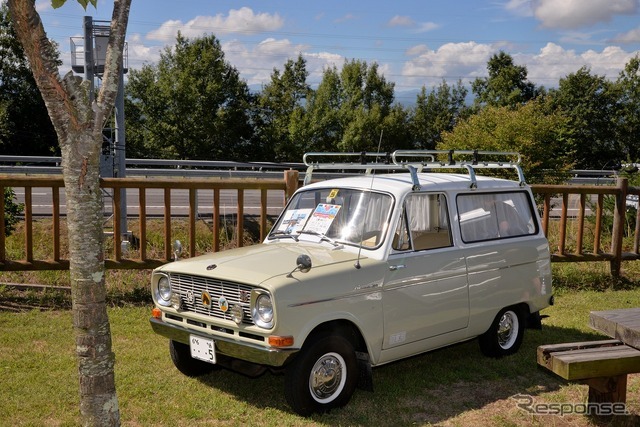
x=603 y=365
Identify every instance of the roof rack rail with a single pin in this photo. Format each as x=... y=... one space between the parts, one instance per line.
x=416 y=161
x=367 y=161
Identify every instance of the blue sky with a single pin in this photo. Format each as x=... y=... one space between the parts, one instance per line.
x=414 y=43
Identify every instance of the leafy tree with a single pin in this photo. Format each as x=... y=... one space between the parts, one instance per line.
x=25 y=126
x=351 y=110
x=542 y=137
x=507 y=84
x=12 y=211
x=319 y=128
x=191 y=105
x=591 y=103
x=281 y=99
x=78 y=122
x=437 y=112
x=628 y=88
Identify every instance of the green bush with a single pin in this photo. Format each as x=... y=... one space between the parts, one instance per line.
x=12 y=211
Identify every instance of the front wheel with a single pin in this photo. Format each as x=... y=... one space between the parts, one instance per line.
x=504 y=335
x=323 y=376
x=181 y=357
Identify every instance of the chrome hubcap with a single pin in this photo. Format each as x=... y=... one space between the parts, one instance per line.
x=327 y=377
x=507 y=329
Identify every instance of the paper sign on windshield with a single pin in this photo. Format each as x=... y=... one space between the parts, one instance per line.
x=322 y=218
x=294 y=220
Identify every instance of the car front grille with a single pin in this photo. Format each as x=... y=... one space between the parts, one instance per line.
x=193 y=291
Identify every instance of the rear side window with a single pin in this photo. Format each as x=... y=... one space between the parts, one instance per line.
x=424 y=223
x=490 y=216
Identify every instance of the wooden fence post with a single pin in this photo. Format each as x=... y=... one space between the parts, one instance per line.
x=2 y=230
x=617 y=232
x=291 y=181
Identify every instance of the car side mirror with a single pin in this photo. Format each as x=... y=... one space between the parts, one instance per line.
x=303 y=264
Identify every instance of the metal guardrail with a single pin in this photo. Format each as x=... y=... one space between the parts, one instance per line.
x=50 y=165
x=38 y=165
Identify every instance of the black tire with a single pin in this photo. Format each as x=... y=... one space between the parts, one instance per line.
x=181 y=357
x=504 y=335
x=323 y=375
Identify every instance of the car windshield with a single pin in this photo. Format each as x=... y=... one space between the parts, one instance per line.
x=336 y=215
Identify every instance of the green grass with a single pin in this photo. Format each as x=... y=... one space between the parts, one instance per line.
x=453 y=386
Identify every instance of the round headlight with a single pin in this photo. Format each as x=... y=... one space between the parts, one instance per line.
x=237 y=313
x=164 y=288
x=264 y=309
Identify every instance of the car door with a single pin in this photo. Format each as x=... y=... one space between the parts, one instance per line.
x=425 y=288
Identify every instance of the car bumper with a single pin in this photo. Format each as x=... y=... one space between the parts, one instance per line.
x=238 y=350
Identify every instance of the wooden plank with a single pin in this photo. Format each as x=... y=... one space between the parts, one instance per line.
x=608 y=389
x=622 y=324
x=545 y=352
x=551 y=348
x=595 y=362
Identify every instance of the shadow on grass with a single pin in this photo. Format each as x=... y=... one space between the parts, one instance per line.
x=431 y=388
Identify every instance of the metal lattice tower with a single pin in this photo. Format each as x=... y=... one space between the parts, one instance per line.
x=88 y=56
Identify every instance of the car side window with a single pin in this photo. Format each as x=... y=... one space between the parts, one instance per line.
x=424 y=223
x=490 y=216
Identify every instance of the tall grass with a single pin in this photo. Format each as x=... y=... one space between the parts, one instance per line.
x=454 y=386
x=585 y=275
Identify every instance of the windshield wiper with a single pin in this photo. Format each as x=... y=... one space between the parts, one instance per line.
x=281 y=234
x=322 y=237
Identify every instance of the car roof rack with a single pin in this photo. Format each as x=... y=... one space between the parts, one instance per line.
x=416 y=161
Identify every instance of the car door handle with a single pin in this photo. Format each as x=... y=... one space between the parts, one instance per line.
x=397 y=267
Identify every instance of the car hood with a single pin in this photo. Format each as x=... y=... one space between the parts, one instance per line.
x=257 y=263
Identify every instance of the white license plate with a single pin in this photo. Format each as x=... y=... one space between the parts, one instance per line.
x=202 y=349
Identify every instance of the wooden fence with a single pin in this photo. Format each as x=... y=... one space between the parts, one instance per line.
x=588 y=241
x=582 y=236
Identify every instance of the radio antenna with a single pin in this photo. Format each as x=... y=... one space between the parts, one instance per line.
x=373 y=174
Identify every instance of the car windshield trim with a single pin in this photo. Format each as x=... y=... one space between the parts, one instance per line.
x=349 y=216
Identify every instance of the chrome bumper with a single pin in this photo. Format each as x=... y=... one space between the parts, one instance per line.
x=225 y=346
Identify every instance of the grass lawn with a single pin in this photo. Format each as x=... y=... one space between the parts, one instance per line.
x=455 y=386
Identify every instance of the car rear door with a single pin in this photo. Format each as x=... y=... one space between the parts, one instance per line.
x=425 y=289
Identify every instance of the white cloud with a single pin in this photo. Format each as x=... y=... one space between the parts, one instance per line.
x=519 y=7
x=450 y=61
x=417 y=50
x=467 y=61
x=572 y=14
x=43 y=6
x=401 y=21
x=240 y=21
x=632 y=36
x=554 y=62
x=426 y=27
x=256 y=63
x=139 y=53
x=318 y=62
x=406 y=21
x=345 y=18
x=577 y=37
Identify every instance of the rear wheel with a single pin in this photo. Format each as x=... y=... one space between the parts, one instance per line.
x=181 y=357
x=323 y=376
x=505 y=334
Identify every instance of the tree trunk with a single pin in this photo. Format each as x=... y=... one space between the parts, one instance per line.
x=78 y=123
x=98 y=400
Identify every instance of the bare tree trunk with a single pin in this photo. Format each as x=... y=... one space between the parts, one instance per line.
x=78 y=124
x=98 y=399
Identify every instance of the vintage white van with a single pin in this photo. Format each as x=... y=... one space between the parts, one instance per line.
x=365 y=270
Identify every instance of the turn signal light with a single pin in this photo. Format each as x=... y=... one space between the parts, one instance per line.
x=275 y=341
x=156 y=313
